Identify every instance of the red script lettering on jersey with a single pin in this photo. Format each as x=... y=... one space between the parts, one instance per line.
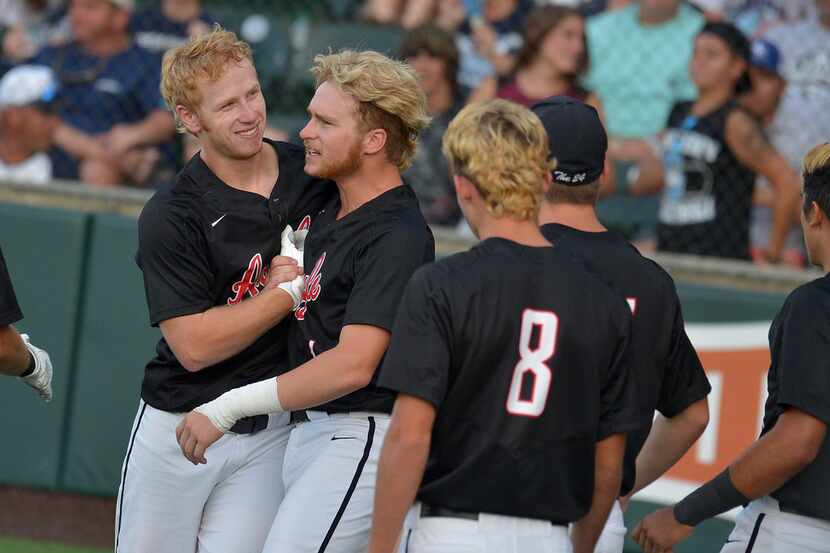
x=252 y=282
x=312 y=287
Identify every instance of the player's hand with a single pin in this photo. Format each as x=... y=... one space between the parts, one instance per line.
x=659 y=532
x=283 y=269
x=41 y=377
x=195 y=434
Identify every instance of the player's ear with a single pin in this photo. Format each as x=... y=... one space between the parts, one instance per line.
x=374 y=141
x=547 y=182
x=815 y=216
x=463 y=187
x=190 y=120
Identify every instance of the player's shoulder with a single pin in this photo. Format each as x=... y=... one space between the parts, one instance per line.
x=812 y=297
x=175 y=204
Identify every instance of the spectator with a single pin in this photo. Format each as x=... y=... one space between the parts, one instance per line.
x=112 y=114
x=406 y=13
x=552 y=59
x=651 y=39
x=805 y=62
x=712 y=151
x=489 y=39
x=26 y=125
x=26 y=25
x=169 y=24
x=791 y=130
x=639 y=69
x=433 y=55
x=756 y=17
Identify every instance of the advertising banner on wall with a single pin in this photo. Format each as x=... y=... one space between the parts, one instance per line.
x=736 y=359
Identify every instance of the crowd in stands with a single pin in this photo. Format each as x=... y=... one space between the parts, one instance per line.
x=709 y=104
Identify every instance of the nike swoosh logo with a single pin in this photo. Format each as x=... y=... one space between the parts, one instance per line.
x=216 y=222
x=343 y=438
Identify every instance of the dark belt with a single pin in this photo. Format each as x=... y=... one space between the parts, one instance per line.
x=250 y=425
x=299 y=416
x=428 y=510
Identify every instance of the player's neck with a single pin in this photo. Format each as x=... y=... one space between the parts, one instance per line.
x=106 y=45
x=182 y=11
x=522 y=232
x=368 y=182
x=579 y=216
x=256 y=174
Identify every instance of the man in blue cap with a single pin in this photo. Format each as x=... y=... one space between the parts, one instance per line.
x=790 y=128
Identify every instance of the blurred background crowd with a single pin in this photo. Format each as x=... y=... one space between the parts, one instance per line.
x=709 y=104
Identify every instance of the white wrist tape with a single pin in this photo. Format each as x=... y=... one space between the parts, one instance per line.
x=259 y=398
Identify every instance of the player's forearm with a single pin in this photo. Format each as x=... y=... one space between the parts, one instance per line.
x=668 y=441
x=401 y=467
x=332 y=374
x=607 y=479
x=775 y=458
x=14 y=357
x=202 y=340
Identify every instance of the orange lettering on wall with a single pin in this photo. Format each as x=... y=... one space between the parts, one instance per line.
x=742 y=375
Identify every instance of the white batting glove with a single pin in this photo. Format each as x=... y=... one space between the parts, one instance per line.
x=41 y=377
x=295 y=289
x=292 y=243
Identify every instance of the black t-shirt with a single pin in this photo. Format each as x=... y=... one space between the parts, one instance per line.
x=708 y=214
x=523 y=353
x=204 y=244
x=799 y=377
x=157 y=33
x=666 y=367
x=9 y=309
x=357 y=268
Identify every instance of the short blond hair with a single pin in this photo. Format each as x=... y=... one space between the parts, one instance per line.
x=502 y=148
x=205 y=56
x=388 y=96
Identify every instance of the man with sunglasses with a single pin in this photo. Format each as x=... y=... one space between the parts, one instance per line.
x=112 y=114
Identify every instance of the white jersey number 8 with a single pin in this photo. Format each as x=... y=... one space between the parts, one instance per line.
x=533 y=361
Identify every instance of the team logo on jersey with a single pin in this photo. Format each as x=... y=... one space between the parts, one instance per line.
x=312 y=288
x=252 y=282
x=305 y=224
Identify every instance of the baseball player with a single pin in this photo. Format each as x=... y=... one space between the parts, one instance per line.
x=510 y=366
x=205 y=248
x=360 y=252
x=667 y=371
x=784 y=477
x=18 y=357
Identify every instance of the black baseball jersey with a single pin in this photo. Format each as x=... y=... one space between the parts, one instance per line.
x=9 y=309
x=523 y=353
x=204 y=244
x=357 y=268
x=799 y=377
x=666 y=367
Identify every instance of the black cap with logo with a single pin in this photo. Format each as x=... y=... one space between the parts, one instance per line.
x=577 y=139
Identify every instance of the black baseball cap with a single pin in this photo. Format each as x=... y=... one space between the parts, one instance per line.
x=577 y=138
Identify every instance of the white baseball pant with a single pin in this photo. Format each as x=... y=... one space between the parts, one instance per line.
x=488 y=534
x=762 y=527
x=329 y=474
x=167 y=505
x=612 y=539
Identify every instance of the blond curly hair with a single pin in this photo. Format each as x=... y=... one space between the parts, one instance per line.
x=502 y=148
x=205 y=56
x=388 y=95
